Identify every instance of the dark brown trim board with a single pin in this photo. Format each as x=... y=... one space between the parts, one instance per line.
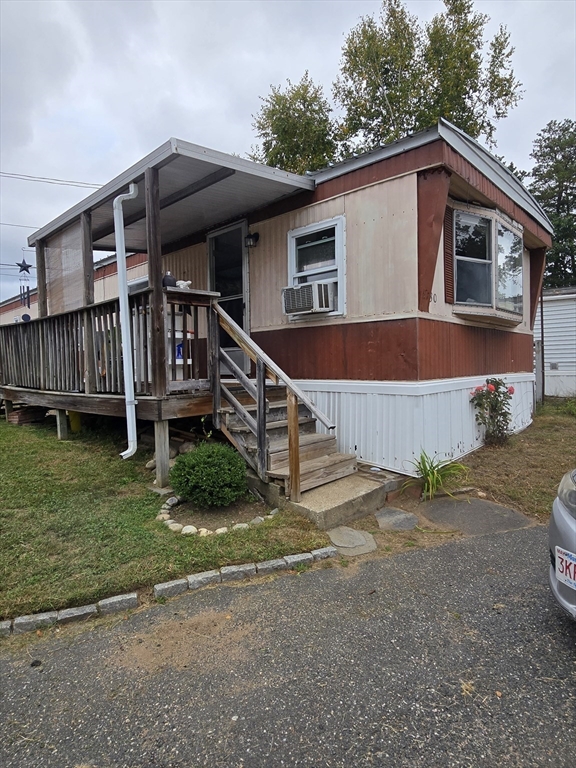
x=432 y=196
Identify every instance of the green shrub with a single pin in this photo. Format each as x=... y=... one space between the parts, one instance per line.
x=213 y=475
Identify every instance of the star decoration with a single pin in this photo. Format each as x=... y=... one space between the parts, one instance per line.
x=23 y=266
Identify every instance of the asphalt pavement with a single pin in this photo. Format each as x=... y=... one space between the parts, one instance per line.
x=450 y=656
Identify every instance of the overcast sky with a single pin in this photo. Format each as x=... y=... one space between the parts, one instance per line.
x=90 y=86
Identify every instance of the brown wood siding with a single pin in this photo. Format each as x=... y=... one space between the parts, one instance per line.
x=432 y=196
x=537 y=264
x=396 y=350
x=447 y=350
x=449 y=255
x=378 y=351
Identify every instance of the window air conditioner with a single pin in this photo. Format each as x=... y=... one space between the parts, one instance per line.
x=308 y=298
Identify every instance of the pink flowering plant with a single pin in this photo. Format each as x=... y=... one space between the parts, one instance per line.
x=492 y=403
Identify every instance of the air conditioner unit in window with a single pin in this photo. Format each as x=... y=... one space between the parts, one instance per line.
x=309 y=298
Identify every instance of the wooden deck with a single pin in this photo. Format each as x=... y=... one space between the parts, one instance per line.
x=74 y=362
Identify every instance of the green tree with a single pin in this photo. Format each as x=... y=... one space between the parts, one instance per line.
x=380 y=82
x=295 y=128
x=397 y=77
x=554 y=186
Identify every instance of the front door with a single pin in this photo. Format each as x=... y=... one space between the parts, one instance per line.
x=229 y=276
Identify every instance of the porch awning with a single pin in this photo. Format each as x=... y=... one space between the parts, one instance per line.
x=200 y=188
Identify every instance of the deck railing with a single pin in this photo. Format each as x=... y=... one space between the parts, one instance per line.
x=81 y=351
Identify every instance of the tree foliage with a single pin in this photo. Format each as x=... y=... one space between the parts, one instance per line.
x=397 y=77
x=295 y=128
x=554 y=186
x=380 y=82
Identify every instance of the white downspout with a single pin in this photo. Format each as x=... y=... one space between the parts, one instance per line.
x=125 y=321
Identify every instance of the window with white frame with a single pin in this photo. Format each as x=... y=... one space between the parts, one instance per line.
x=488 y=251
x=316 y=253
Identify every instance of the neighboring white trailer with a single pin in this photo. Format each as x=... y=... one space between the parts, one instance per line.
x=559 y=341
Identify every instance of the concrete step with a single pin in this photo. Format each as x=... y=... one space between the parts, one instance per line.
x=318 y=471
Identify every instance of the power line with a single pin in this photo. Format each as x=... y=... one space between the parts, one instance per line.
x=24 y=226
x=49 y=180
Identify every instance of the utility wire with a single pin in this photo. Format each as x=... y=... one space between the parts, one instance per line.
x=49 y=180
x=24 y=226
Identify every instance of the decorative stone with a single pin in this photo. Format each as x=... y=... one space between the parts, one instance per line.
x=187 y=447
x=151 y=464
x=274 y=512
x=173 y=501
x=5 y=628
x=118 y=603
x=256 y=520
x=391 y=519
x=343 y=536
x=77 y=614
x=221 y=530
x=240 y=527
x=171 y=588
x=293 y=560
x=351 y=542
x=163 y=516
x=189 y=530
x=269 y=566
x=35 y=621
x=322 y=554
x=171 y=463
x=173 y=452
x=205 y=532
x=197 y=580
x=237 y=572
x=176 y=527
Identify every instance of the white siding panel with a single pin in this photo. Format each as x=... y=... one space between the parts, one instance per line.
x=388 y=424
x=559 y=344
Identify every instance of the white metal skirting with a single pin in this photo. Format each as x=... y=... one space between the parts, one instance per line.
x=388 y=423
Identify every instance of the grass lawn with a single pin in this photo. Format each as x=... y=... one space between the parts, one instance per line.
x=525 y=473
x=78 y=524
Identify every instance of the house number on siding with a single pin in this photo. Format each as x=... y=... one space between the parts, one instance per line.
x=430 y=296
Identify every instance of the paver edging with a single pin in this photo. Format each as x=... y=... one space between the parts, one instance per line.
x=129 y=601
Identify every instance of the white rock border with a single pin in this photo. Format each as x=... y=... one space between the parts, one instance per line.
x=129 y=601
x=166 y=516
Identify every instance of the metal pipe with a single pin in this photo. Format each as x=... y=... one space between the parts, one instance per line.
x=125 y=321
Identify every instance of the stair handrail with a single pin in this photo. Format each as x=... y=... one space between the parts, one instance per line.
x=254 y=352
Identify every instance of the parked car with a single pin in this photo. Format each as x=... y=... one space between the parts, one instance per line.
x=562 y=540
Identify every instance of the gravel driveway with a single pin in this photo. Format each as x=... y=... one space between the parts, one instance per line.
x=451 y=656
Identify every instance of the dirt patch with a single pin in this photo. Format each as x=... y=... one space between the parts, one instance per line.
x=241 y=511
x=201 y=641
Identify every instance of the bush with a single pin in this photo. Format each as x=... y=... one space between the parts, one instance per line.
x=213 y=475
x=492 y=403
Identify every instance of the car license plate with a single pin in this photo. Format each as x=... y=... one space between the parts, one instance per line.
x=566 y=567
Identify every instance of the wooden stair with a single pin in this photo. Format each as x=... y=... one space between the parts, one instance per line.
x=320 y=461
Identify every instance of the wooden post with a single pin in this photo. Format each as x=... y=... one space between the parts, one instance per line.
x=293 y=446
x=214 y=365
x=261 y=434
x=89 y=355
x=8 y=408
x=162 y=446
x=155 y=274
x=87 y=257
x=61 y=425
x=41 y=279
